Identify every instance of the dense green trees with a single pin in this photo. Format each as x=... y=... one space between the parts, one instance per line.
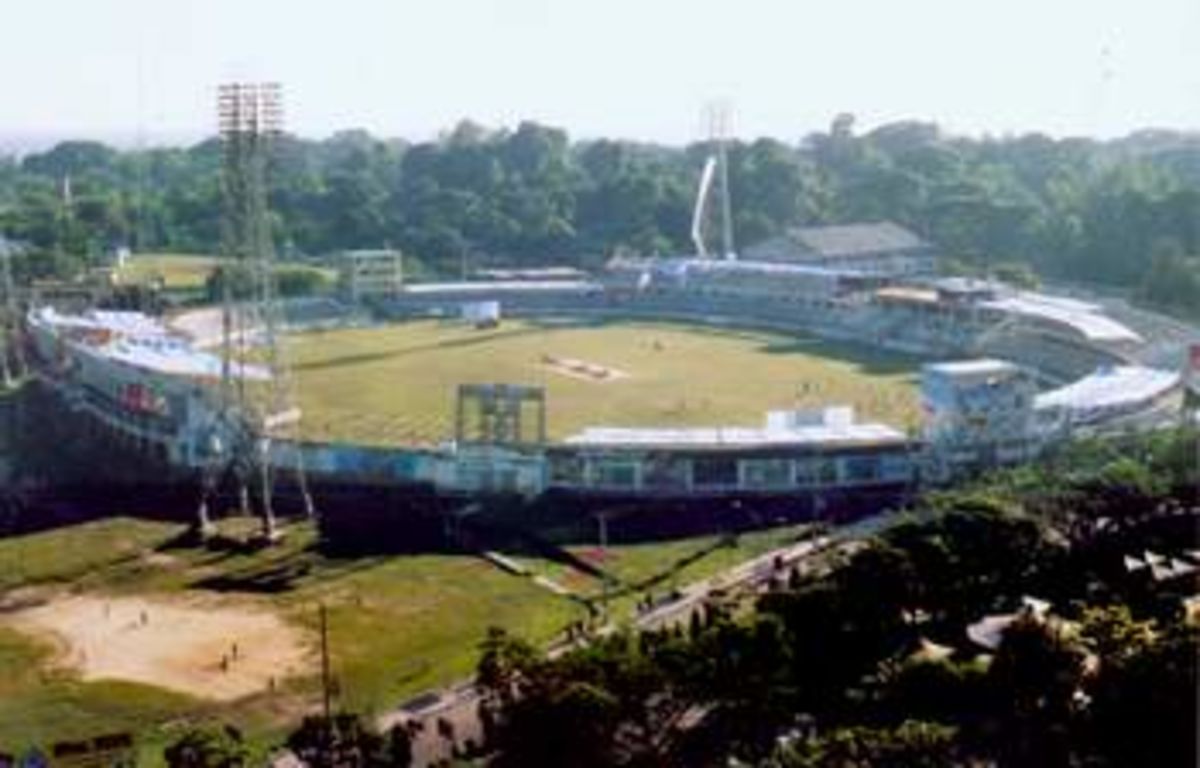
x=208 y=747
x=1123 y=212
x=869 y=663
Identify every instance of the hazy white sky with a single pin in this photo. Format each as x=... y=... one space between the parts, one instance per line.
x=629 y=68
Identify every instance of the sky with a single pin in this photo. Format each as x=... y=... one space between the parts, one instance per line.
x=638 y=69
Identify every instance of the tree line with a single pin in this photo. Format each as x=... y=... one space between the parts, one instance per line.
x=1124 y=212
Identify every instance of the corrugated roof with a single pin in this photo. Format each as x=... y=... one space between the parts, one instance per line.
x=1109 y=388
x=142 y=341
x=1084 y=318
x=721 y=266
x=856 y=239
x=565 y=286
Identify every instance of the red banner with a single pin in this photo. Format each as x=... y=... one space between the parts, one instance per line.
x=142 y=399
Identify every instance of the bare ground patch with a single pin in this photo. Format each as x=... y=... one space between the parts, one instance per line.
x=176 y=644
x=582 y=369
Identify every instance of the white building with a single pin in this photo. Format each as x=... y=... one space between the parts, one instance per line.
x=978 y=414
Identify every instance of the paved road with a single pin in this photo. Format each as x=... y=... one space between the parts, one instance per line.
x=458 y=703
x=751 y=573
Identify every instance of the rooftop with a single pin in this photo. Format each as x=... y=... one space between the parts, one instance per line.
x=829 y=428
x=856 y=239
x=500 y=286
x=141 y=341
x=537 y=273
x=981 y=367
x=1110 y=387
x=1084 y=318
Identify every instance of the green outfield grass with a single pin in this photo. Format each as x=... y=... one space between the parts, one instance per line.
x=396 y=384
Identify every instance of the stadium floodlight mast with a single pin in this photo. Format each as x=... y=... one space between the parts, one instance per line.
x=718 y=123
x=252 y=419
x=12 y=359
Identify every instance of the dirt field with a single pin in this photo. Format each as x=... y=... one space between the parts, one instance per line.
x=581 y=369
x=180 y=645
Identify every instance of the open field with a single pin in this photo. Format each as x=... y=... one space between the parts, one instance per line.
x=396 y=384
x=75 y=661
x=397 y=626
x=188 y=271
x=177 y=270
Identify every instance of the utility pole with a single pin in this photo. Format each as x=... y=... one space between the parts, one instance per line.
x=326 y=682
x=603 y=518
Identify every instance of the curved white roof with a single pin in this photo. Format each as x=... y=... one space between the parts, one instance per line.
x=1084 y=318
x=1110 y=388
x=142 y=341
x=500 y=286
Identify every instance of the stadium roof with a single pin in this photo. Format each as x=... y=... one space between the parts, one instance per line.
x=173 y=357
x=125 y=323
x=1109 y=388
x=1084 y=318
x=138 y=340
x=764 y=267
x=985 y=366
x=856 y=239
x=565 y=286
x=532 y=273
x=714 y=438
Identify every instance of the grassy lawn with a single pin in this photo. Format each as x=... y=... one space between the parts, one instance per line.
x=398 y=625
x=686 y=560
x=396 y=384
x=189 y=271
x=659 y=567
x=177 y=270
x=77 y=555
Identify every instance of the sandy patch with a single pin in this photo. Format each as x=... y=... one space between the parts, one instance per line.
x=175 y=644
x=581 y=369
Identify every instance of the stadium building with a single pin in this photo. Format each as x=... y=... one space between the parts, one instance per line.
x=1022 y=371
x=877 y=248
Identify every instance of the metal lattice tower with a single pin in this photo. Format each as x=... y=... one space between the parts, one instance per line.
x=716 y=168
x=12 y=359
x=254 y=417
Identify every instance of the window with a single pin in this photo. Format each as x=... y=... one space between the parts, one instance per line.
x=766 y=473
x=665 y=472
x=614 y=473
x=566 y=470
x=862 y=469
x=714 y=473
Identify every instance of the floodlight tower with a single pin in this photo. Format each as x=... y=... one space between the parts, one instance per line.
x=717 y=123
x=12 y=360
x=719 y=129
x=251 y=415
